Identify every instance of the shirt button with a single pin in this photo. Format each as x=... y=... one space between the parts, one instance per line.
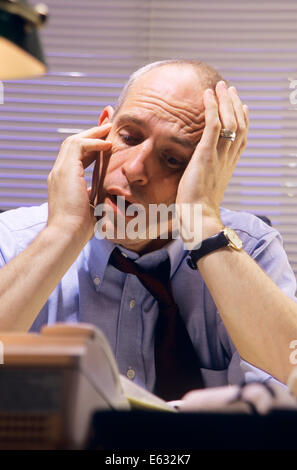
x=130 y=373
x=96 y=281
x=132 y=303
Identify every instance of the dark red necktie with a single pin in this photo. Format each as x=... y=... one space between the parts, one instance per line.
x=177 y=364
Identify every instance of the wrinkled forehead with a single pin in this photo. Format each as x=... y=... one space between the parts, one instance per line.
x=172 y=93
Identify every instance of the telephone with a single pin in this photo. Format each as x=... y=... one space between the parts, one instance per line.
x=51 y=383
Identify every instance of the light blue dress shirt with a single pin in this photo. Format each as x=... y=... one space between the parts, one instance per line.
x=95 y=292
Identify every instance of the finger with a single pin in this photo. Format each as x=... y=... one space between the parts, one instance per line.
x=246 y=115
x=227 y=115
x=98 y=131
x=212 y=128
x=242 y=128
x=91 y=145
x=238 y=110
x=85 y=150
x=226 y=110
x=93 y=152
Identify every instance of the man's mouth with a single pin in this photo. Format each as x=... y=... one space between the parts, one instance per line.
x=115 y=199
x=119 y=203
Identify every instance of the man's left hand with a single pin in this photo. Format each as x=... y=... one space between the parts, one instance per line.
x=213 y=161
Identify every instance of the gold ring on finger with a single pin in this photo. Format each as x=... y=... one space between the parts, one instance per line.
x=227 y=134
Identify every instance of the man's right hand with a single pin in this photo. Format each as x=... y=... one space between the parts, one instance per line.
x=27 y=280
x=69 y=198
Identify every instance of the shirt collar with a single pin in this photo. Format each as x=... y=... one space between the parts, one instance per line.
x=97 y=253
x=177 y=252
x=174 y=250
x=96 y=256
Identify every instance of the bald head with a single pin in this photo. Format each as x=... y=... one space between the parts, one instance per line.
x=207 y=76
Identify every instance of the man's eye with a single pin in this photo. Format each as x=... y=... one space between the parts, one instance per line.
x=173 y=162
x=129 y=139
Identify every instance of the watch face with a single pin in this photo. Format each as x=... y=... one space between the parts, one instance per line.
x=233 y=238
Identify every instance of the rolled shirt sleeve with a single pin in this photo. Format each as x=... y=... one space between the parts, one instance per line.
x=268 y=251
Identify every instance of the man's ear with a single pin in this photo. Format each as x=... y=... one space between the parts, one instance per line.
x=106 y=115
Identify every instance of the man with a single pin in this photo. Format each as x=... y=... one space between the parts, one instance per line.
x=170 y=140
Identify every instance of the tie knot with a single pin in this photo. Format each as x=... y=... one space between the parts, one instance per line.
x=123 y=263
x=156 y=280
x=126 y=265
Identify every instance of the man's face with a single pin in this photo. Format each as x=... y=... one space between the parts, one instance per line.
x=153 y=138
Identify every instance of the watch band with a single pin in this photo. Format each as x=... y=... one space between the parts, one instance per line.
x=207 y=246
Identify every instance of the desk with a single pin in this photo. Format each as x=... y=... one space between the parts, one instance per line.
x=151 y=430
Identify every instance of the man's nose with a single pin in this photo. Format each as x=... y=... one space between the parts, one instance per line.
x=137 y=166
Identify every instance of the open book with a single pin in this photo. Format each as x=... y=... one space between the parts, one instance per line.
x=51 y=384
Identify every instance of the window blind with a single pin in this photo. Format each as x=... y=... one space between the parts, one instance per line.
x=92 y=47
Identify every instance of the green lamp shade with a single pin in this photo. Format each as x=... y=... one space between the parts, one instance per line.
x=20 y=50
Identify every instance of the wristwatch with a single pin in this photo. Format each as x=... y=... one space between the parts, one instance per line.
x=227 y=237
